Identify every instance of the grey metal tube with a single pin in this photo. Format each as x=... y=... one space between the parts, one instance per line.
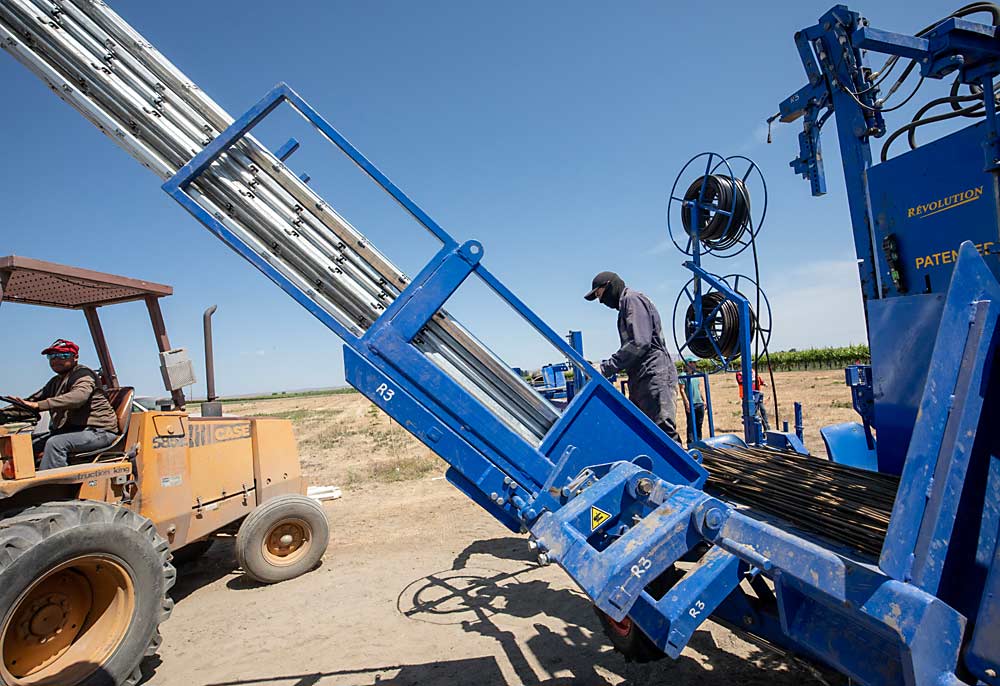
x=105 y=69
x=209 y=354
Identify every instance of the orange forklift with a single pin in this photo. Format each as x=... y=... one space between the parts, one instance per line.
x=86 y=550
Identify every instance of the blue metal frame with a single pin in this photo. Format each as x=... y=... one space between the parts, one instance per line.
x=603 y=456
x=934 y=414
x=753 y=430
x=385 y=366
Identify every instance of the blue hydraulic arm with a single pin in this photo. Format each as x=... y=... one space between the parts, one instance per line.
x=832 y=62
x=840 y=83
x=510 y=476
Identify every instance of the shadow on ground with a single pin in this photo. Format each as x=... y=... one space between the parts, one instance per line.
x=482 y=601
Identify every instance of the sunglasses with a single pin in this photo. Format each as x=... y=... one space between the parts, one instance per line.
x=60 y=356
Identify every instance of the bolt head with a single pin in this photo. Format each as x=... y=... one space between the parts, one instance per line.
x=713 y=518
x=543 y=559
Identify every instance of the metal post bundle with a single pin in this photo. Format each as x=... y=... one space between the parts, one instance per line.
x=602 y=491
x=97 y=63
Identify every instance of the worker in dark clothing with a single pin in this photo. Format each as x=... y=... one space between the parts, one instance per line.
x=82 y=419
x=652 y=376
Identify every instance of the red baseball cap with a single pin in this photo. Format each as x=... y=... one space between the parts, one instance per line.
x=62 y=346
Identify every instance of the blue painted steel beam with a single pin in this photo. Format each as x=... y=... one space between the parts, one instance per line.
x=287 y=149
x=941 y=447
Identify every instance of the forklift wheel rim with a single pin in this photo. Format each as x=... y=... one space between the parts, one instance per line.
x=69 y=622
x=277 y=549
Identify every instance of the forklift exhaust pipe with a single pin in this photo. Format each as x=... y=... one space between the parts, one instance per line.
x=211 y=407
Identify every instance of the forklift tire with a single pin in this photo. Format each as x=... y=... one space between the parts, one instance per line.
x=191 y=552
x=282 y=539
x=629 y=640
x=83 y=587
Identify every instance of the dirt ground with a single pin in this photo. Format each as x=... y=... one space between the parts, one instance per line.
x=420 y=586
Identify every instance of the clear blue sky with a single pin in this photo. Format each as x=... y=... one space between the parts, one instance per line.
x=549 y=131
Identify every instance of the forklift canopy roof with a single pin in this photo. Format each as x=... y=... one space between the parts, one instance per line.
x=35 y=282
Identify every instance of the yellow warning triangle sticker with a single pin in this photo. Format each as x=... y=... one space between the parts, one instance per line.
x=598 y=517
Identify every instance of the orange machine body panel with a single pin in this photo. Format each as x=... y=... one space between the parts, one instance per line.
x=276 y=466
x=193 y=475
x=16 y=448
x=198 y=475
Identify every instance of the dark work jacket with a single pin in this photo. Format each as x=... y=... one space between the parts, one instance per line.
x=643 y=353
x=71 y=413
x=652 y=376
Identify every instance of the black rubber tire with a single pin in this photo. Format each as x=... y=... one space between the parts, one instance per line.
x=42 y=537
x=254 y=529
x=191 y=552
x=629 y=640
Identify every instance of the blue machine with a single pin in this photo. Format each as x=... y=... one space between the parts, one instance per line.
x=553 y=384
x=615 y=503
x=599 y=488
x=926 y=231
x=724 y=322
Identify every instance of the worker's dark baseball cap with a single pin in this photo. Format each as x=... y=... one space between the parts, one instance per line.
x=61 y=345
x=602 y=279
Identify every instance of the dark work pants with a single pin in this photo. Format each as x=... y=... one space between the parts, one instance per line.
x=655 y=397
x=699 y=419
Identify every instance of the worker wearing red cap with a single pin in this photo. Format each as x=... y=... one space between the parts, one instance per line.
x=81 y=418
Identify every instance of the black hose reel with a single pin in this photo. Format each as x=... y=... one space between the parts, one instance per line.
x=716 y=214
x=716 y=334
x=718 y=219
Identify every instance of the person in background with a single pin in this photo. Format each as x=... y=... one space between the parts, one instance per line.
x=82 y=419
x=693 y=402
x=758 y=395
x=652 y=376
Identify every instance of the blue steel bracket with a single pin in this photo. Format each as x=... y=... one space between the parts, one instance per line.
x=943 y=443
x=753 y=430
x=614 y=574
x=672 y=620
x=859 y=378
x=953 y=45
x=899 y=633
x=848 y=444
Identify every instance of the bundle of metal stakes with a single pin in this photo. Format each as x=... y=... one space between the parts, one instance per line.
x=843 y=504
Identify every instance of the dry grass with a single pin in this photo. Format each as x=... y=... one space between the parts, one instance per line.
x=825 y=398
x=347 y=441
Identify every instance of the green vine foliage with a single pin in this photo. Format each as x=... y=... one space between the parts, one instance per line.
x=812 y=358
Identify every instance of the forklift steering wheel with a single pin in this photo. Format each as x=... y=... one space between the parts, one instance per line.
x=20 y=405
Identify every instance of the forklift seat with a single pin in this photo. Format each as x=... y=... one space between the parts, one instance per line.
x=121 y=402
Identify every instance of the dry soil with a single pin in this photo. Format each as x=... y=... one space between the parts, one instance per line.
x=420 y=586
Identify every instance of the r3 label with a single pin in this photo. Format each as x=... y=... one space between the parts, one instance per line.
x=383 y=391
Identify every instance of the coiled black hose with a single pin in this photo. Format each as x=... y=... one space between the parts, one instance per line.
x=722 y=327
x=717 y=230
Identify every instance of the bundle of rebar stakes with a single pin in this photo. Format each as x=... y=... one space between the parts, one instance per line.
x=843 y=504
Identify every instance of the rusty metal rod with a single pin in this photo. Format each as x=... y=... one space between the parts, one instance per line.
x=843 y=504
